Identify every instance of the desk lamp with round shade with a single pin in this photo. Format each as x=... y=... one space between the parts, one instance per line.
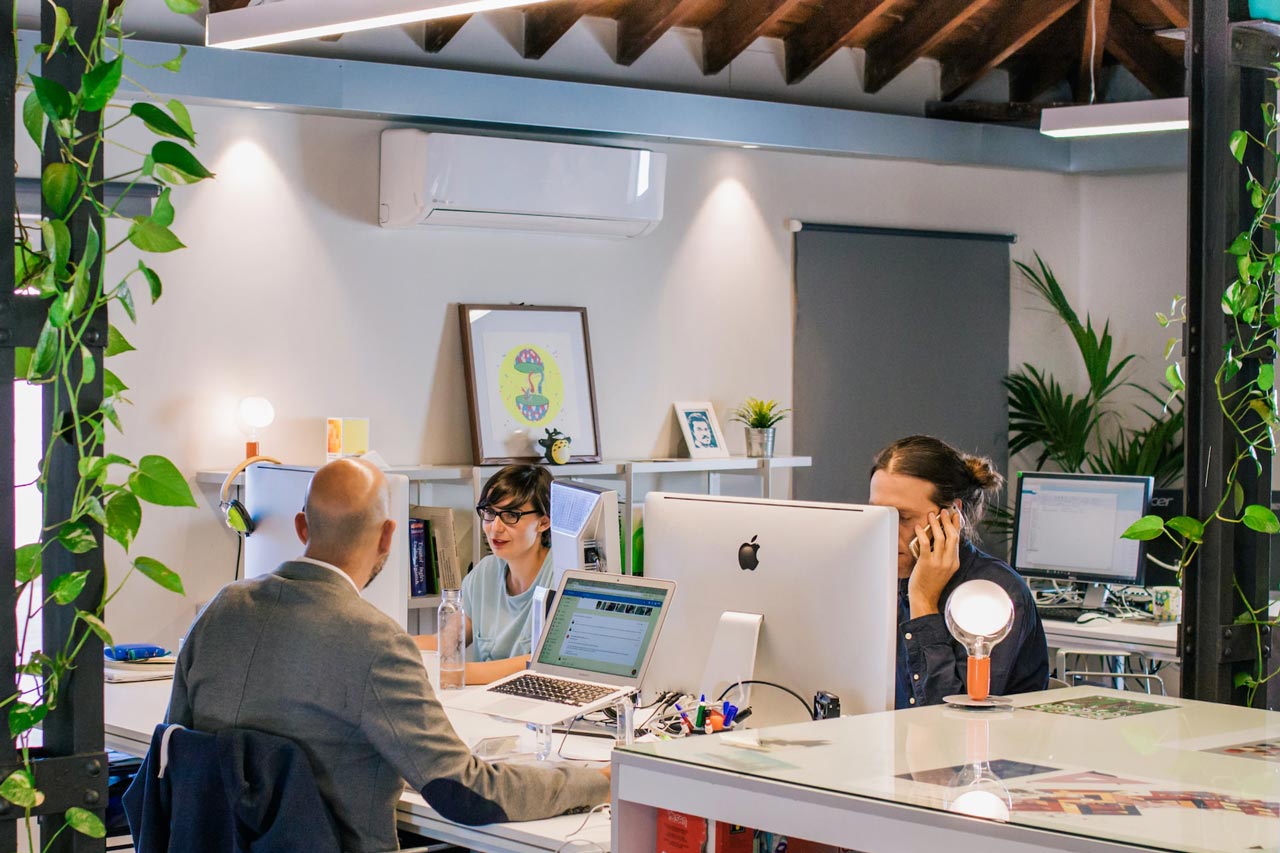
x=979 y=614
x=254 y=414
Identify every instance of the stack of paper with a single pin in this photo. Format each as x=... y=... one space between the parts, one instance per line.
x=148 y=669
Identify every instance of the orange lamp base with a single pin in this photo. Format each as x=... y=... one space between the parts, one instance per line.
x=979 y=678
x=250 y=449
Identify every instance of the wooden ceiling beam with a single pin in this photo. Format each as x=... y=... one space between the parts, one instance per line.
x=1008 y=35
x=1176 y=11
x=1138 y=51
x=835 y=24
x=1050 y=58
x=1092 y=36
x=926 y=28
x=643 y=23
x=985 y=112
x=738 y=25
x=546 y=23
x=439 y=32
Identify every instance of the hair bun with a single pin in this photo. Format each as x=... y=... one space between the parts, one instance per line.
x=983 y=473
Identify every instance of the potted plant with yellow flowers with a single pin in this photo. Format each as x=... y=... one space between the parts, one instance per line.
x=760 y=417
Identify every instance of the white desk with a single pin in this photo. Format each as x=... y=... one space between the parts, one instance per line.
x=886 y=783
x=132 y=710
x=1155 y=640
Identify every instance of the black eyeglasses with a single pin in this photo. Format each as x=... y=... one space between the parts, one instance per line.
x=510 y=517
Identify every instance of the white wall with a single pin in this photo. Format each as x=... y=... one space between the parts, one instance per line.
x=290 y=290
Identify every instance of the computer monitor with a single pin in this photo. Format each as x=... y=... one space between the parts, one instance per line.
x=823 y=575
x=1067 y=527
x=584 y=529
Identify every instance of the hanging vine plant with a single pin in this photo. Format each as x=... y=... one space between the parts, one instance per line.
x=71 y=279
x=1247 y=399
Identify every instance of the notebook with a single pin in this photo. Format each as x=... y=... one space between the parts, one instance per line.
x=597 y=644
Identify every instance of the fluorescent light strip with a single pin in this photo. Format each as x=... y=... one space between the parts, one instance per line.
x=1154 y=116
x=294 y=20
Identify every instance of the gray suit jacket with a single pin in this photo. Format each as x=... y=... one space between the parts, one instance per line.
x=299 y=654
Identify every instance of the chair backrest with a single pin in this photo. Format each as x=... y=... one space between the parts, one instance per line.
x=1057 y=683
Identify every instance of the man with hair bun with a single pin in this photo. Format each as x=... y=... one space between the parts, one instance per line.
x=941 y=495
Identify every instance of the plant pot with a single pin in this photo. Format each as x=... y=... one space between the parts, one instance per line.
x=760 y=441
x=1266 y=9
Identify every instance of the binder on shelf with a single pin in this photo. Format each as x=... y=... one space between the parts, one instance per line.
x=448 y=567
x=418 y=557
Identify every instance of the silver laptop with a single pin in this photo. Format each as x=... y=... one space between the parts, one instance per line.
x=599 y=638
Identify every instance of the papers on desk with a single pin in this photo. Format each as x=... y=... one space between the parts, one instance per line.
x=150 y=669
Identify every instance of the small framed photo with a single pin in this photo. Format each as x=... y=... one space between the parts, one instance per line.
x=701 y=430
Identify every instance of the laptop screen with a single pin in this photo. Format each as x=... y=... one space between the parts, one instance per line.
x=603 y=627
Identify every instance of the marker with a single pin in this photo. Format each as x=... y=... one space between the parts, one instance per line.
x=730 y=715
x=742 y=715
x=702 y=712
x=684 y=717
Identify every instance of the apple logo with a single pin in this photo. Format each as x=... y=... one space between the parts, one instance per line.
x=748 y=555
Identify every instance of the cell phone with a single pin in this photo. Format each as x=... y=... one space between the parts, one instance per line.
x=914 y=545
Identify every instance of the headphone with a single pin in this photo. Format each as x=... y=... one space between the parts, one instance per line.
x=237 y=514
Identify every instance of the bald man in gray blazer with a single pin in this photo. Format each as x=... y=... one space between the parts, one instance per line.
x=298 y=653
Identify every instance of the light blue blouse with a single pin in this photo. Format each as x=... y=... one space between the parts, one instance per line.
x=499 y=621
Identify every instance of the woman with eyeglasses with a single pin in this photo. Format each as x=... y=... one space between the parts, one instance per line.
x=497 y=594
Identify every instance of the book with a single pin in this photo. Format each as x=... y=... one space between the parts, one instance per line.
x=418 y=557
x=433 y=560
x=446 y=543
x=680 y=833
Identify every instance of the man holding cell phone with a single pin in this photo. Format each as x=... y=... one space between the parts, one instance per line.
x=941 y=494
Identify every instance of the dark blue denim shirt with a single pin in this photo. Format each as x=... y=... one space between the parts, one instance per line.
x=931 y=663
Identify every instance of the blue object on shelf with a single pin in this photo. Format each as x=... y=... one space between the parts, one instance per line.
x=133 y=651
x=1268 y=9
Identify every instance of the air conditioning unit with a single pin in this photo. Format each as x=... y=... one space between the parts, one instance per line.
x=517 y=184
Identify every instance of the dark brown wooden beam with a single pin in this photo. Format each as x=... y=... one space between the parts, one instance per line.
x=736 y=27
x=1096 y=15
x=643 y=23
x=546 y=23
x=1177 y=11
x=1138 y=51
x=438 y=33
x=985 y=112
x=834 y=25
x=920 y=34
x=1007 y=35
x=1050 y=58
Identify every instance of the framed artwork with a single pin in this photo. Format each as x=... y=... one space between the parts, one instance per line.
x=528 y=370
x=701 y=430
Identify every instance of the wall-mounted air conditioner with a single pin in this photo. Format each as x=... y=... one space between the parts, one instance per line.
x=518 y=184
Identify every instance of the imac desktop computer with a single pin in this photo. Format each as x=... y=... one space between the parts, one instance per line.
x=584 y=537
x=1067 y=528
x=822 y=575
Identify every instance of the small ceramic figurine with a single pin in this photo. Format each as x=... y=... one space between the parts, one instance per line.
x=556 y=445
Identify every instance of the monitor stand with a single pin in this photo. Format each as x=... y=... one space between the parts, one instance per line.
x=1095 y=596
x=732 y=657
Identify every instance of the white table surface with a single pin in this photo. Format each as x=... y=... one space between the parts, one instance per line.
x=1157 y=640
x=132 y=710
x=890 y=782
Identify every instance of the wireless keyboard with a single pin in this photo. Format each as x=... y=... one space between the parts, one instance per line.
x=1062 y=613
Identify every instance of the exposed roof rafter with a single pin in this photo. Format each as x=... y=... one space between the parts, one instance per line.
x=738 y=25
x=642 y=24
x=1047 y=60
x=1139 y=52
x=545 y=24
x=1096 y=15
x=834 y=25
x=439 y=33
x=1011 y=32
x=923 y=31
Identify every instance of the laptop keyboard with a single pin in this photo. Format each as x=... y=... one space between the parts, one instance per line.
x=547 y=689
x=1061 y=612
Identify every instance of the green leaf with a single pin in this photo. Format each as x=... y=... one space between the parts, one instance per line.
x=76 y=537
x=1237 y=498
x=1169 y=345
x=1239 y=142
x=89 y=367
x=1243 y=679
x=94 y=467
x=94 y=509
x=54 y=98
x=175 y=64
x=124 y=517
x=46 y=352
x=179 y=109
x=151 y=237
x=27 y=560
x=159 y=122
x=97 y=626
x=1240 y=246
x=1145 y=528
x=99 y=83
x=1261 y=519
x=85 y=822
x=66 y=588
x=61 y=25
x=20 y=789
x=162 y=212
x=1173 y=375
x=116 y=342
x=1163 y=319
x=26 y=263
x=57 y=240
x=92 y=244
x=158 y=481
x=111 y=384
x=22 y=362
x=33 y=118
x=160 y=573
x=153 y=281
x=1266 y=376
x=1189 y=527
x=125 y=295
x=183 y=7
x=176 y=165
x=58 y=186
x=24 y=717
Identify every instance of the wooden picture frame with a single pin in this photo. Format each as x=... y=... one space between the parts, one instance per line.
x=701 y=430
x=528 y=369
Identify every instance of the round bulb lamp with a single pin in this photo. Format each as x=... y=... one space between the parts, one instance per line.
x=979 y=614
x=255 y=414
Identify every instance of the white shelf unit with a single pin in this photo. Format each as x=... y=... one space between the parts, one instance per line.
x=459 y=486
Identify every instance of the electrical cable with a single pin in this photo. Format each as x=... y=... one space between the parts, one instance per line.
x=570 y=840
x=239 y=550
x=808 y=710
x=1093 y=49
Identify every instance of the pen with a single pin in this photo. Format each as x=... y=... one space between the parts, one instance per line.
x=684 y=717
x=702 y=712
